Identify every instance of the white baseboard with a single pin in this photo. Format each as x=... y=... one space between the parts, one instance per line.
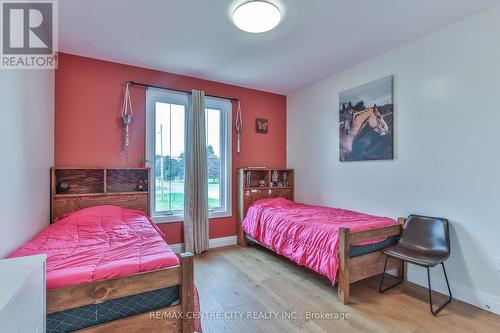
x=212 y=243
x=466 y=294
x=222 y=241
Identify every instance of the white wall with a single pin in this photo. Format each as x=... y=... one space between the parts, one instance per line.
x=447 y=147
x=26 y=152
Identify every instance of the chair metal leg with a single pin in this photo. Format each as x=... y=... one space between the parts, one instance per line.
x=380 y=290
x=435 y=312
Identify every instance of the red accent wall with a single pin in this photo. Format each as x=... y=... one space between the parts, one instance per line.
x=89 y=131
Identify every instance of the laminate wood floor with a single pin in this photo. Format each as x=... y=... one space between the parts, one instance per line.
x=254 y=290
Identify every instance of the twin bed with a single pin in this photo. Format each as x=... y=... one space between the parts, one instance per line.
x=342 y=245
x=109 y=268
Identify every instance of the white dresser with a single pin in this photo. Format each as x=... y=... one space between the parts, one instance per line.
x=22 y=294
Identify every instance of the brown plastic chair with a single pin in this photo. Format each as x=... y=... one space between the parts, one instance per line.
x=425 y=241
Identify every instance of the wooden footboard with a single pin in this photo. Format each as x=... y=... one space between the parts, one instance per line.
x=364 y=266
x=177 y=318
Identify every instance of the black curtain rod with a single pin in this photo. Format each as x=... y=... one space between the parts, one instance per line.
x=136 y=84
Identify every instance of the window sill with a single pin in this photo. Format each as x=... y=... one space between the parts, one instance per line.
x=219 y=214
x=167 y=218
x=180 y=217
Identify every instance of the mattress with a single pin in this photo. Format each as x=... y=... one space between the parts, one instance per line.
x=359 y=250
x=95 y=314
x=99 y=243
x=307 y=235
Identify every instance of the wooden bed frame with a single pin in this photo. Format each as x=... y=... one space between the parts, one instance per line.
x=350 y=269
x=358 y=268
x=367 y=265
x=176 y=318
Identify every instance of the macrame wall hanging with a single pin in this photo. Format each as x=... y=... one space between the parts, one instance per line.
x=127 y=116
x=239 y=125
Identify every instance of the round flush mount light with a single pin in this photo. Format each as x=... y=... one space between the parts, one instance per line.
x=256 y=16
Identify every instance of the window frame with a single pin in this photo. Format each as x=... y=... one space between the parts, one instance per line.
x=225 y=108
x=154 y=95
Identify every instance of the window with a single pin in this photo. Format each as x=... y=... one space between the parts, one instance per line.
x=166 y=114
x=218 y=124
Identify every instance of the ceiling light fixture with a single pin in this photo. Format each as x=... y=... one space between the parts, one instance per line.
x=256 y=16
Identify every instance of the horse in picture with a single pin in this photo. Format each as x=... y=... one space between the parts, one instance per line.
x=370 y=117
x=366 y=121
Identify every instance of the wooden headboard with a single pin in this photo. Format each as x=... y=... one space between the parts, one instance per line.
x=256 y=184
x=76 y=188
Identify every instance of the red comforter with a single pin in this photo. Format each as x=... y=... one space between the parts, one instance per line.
x=99 y=243
x=308 y=235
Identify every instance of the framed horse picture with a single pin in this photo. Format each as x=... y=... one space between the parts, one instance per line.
x=366 y=121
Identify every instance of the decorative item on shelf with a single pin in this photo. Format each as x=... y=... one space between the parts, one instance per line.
x=280 y=184
x=262 y=183
x=248 y=180
x=63 y=188
x=261 y=125
x=285 y=179
x=274 y=178
x=142 y=162
x=142 y=185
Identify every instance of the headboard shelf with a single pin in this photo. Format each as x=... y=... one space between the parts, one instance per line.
x=262 y=178
x=83 y=181
x=76 y=188
x=124 y=180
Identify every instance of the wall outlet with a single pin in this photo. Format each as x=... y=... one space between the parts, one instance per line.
x=498 y=264
x=487 y=308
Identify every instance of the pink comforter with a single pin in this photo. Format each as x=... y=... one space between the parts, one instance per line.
x=99 y=243
x=308 y=235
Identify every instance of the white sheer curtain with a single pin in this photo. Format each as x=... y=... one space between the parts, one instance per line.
x=196 y=184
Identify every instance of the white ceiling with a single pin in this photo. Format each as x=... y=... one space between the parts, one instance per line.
x=316 y=38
